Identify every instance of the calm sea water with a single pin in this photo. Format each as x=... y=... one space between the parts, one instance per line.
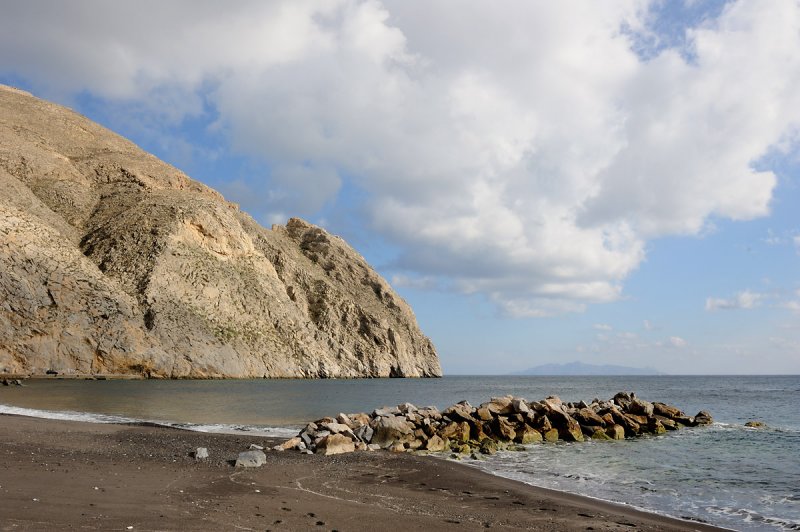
x=726 y=474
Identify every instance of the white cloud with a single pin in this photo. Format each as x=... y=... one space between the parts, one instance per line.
x=793 y=305
x=524 y=153
x=796 y=241
x=742 y=300
x=677 y=341
x=602 y=326
x=421 y=283
x=648 y=325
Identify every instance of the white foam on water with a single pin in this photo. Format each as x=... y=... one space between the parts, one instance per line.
x=88 y=417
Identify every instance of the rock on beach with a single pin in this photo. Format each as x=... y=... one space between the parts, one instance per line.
x=502 y=423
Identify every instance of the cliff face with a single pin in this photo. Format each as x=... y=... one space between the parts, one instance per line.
x=112 y=261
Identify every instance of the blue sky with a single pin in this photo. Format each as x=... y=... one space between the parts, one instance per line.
x=543 y=182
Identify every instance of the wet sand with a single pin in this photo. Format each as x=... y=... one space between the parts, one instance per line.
x=73 y=475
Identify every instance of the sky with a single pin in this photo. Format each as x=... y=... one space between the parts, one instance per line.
x=606 y=182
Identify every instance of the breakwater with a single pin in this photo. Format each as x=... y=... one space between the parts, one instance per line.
x=500 y=423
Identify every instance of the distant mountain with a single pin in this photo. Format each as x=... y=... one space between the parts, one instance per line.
x=579 y=368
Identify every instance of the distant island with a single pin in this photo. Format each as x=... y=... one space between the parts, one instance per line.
x=579 y=368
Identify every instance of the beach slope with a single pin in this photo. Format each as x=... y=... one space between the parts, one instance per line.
x=65 y=474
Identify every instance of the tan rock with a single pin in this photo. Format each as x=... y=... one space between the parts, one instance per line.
x=600 y=434
x=335 y=444
x=293 y=443
x=436 y=444
x=551 y=435
x=459 y=432
x=528 y=435
x=587 y=416
x=397 y=448
x=112 y=261
x=504 y=428
x=616 y=432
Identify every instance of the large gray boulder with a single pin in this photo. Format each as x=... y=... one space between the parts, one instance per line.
x=390 y=430
x=251 y=459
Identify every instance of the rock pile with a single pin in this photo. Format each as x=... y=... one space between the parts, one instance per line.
x=501 y=423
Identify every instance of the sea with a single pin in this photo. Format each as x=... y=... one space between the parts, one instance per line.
x=725 y=474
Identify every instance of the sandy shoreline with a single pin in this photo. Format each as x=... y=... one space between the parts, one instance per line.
x=68 y=474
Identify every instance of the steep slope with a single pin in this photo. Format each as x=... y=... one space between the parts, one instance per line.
x=112 y=261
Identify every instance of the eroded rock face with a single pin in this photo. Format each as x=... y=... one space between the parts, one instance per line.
x=112 y=261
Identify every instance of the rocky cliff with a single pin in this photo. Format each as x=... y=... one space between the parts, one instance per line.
x=112 y=261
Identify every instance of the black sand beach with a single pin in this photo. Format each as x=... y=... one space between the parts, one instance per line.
x=73 y=475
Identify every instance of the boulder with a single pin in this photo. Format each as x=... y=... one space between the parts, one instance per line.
x=385 y=411
x=520 y=406
x=528 y=435
x=397 y=448
x=543 y=424
x=703 y=418
x=632 y=428
x=436 y=444
x=571 y=431
x=586 y=416
x=414 y=444
x=201 y=453
x=484 y=414
x=344 y=419
x=616 y=432
x=666 y=410
x=337 y=428
x=251 y=459
x=756 y=425
x=504 y=428
x=601 y=434
x=459 y=432
x=364 y=433
x=477 y=431
x=406 y=408
x=391 y=429
x=667 y=423
x=551 y=435
x=654 y=426
x=293 y=443
x=460 y=412
x=553 y=401
x=335 y=444
x=430 y=412
x=501 y=406
x=359 y=419
x=256 y=447
x=640 y=407
x=622 y=400
x=488 y=447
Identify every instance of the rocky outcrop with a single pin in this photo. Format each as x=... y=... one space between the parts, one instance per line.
x=112 y=261
x=501 y=423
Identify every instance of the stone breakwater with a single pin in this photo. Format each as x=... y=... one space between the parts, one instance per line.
x=501 y=423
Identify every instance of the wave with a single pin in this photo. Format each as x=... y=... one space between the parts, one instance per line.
x=751 y=516
x=88 y=417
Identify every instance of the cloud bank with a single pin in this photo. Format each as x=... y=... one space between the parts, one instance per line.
x=743 y=300
x=527 y=153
